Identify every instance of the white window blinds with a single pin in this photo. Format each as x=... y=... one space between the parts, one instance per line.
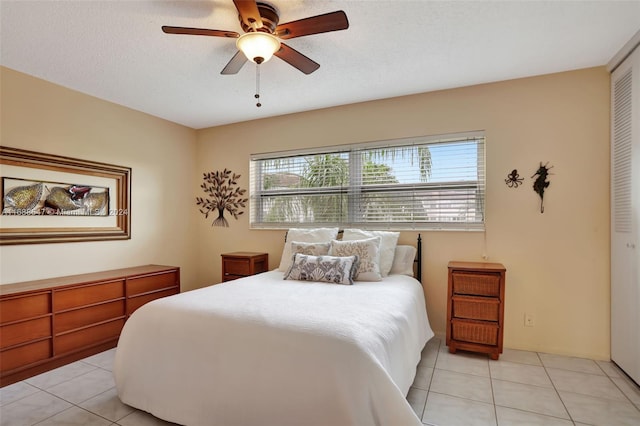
x=417 y=183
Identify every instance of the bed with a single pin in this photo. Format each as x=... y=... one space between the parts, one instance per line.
x=264 y=350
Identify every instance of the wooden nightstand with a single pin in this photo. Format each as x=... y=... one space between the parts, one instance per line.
x=242 y=264
x=475 y=307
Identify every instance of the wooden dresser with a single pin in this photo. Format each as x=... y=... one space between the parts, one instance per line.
x=242 y=264
x=475 y=307
x=48 y=323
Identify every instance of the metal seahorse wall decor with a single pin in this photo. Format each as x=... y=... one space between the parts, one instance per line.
x=541 y=183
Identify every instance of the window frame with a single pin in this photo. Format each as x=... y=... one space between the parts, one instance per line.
x=354 y=151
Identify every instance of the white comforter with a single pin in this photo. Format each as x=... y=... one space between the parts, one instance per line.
x=265 y=351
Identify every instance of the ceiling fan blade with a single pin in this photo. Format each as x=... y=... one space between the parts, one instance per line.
x=199 y=31
x=248 y=10
x=333 y=21
x=296 y=59
x=235 y=64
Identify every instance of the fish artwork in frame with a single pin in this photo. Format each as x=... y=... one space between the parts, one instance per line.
x=48 y=198
x=23 y=197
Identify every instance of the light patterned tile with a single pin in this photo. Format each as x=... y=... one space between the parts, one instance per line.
x=434 y=343
x=108 y=405
x=463 y=362
x=580 y=365
x=586 y=384
x=417 y=398
x=140 y=418
x=521 y=357
x=430 y=353
x=512 y=417
x=423 y=377
x=32 y=409
x=520 y=373
x=610 y=369
x=75 y=416
x=84 y=387
x=531 y=398
x=16 y=391
x=630 y=389
x=457 y=391
x=446 y=410
x=462 y=385
x=103 y=359
x=59 y=375
x=600 y=411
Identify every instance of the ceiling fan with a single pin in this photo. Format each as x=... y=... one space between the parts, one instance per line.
x=262 y=35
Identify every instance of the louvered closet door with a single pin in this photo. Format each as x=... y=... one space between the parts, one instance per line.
x=625 y=216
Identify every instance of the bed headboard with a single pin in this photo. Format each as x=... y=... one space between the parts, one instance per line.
x=417 y=260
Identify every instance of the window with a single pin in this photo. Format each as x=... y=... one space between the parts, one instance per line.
x=417 y=183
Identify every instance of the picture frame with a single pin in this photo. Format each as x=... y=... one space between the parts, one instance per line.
x=49 y=198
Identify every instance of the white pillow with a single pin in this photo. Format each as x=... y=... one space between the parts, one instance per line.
x=403 y=261
x=304 y=235
x=327 y=269
x=388 y=242
x=368 y=252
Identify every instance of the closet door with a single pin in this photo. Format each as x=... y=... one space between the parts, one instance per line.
x=625 y=216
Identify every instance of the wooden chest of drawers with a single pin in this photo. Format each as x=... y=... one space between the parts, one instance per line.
x=242 y=264
x=475 y=307
x=48 y=323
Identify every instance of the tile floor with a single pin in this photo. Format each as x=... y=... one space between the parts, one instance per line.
x=522 y=388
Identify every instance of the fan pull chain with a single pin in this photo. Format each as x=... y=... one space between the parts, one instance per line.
x=257 y=95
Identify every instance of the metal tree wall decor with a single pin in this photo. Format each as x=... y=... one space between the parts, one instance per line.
x=221 y=186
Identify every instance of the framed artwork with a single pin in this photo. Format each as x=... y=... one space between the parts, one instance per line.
x=53 y=199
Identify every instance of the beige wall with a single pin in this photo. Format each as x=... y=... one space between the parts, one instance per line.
x=39 y=116
x=557 y=262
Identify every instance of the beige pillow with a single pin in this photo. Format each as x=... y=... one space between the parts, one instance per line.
x=304 y=235
x=311 y=249
x=388 y=242
x=368 y=252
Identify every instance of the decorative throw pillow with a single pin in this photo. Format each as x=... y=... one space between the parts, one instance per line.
x=403 y=261
x=312 y=249
x=368 y=252
x=388 y=242
x=328 y=269
x=304 y=235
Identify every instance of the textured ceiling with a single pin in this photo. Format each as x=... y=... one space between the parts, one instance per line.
x=115 y=50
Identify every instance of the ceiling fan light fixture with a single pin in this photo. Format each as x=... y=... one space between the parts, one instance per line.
x=258 y=46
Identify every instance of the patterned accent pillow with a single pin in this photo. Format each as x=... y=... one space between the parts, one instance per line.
x=328 y=269
x=368 y=252
x=312 y=249
x=388 y=242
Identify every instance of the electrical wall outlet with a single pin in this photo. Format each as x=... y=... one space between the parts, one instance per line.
x=529 y=320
